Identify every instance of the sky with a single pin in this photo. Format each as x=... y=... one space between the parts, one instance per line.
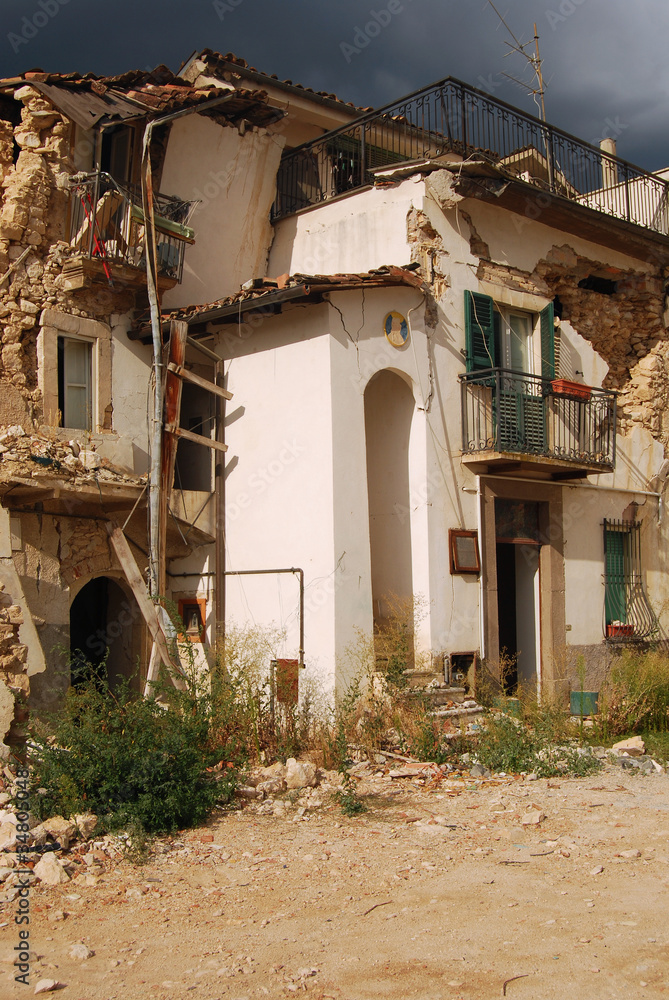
x=605 y=62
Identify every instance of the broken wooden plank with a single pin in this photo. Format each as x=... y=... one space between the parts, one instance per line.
x=203 y=383
x=146 y=606
x=152 y=672
x=181 y=432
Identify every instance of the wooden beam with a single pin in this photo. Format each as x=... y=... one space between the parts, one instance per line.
x=171 y=416
x=181 y=432
x=146 y=606
x=189 y=376
x=152 y=673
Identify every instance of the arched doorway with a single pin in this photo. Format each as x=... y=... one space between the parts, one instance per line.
x=105 y=633
x=389 y=408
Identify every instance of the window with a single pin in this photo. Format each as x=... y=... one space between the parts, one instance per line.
x=75 y=394
x=74 y=372
x=503 y=337
x=627 y=610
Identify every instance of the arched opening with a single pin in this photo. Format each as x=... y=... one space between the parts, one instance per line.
x=389 y=408
x=105 y=634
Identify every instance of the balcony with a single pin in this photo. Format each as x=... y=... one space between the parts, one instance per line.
x=451 y=122
x=513 y=422
x=106 y=233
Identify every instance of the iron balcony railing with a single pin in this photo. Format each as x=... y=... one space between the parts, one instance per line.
x=507 y=411
x=106 y=222
x=452 y=121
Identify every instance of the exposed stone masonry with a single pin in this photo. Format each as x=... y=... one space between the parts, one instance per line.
x=14 y=684
x=33 y=218
x=626 y=328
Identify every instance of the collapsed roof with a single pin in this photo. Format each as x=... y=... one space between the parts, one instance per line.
x=92 y=100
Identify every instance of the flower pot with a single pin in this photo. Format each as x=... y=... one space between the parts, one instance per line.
x=617 y=630
x=574 y=390
x=583 y=702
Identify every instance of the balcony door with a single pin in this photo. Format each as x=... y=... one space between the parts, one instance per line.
x=520 y=347
x=521 y=408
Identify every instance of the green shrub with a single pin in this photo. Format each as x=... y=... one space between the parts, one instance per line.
x=130 y=760
x=506 y=744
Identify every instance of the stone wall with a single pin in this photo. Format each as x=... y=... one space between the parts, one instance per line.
x=14 y=683
x=32 y=244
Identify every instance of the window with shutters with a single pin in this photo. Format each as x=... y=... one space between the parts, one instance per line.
x=498 y=336
x=520 y=347
x=627 y=610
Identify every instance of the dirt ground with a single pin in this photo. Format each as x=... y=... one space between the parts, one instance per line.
x=437 y=891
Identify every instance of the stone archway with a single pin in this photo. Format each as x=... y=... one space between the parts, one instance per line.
x=106 y=632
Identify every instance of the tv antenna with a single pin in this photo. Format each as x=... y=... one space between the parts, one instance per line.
x=534 y=59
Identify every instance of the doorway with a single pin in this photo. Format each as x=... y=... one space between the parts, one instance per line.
x=518 y=594
x=105 y=635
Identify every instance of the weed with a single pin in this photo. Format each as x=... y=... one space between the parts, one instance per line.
x=509 y=745
x=635 y=695
x=347 y=796
x=138 y=764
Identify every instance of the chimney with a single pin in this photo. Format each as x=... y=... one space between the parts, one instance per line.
x=609 y=169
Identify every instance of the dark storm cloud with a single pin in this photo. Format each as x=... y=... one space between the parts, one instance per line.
x=604 y=60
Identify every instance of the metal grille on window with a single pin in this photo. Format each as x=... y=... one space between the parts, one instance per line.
x=627 y=610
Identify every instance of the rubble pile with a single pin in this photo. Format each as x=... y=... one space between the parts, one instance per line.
x=55 y=850
x=34 y=455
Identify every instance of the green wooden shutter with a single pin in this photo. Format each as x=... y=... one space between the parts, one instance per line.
x=547 y=343
x=615 y=605
x=479 y=331
x=521 y=421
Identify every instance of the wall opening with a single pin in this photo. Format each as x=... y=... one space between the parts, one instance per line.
x=389 y=408
x=518 y=593
x=106 y=634
x=194 y=461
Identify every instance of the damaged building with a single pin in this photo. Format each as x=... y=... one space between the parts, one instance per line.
x=417 y=351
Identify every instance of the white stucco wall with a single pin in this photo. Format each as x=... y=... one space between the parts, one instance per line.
x=233 y=177
x=354 y=233
x=279 y=485
x=131 y=372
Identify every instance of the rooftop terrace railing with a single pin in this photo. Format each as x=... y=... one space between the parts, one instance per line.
x=453 y=121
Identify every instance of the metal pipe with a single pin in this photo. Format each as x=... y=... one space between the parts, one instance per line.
x=155 y=437
x=267 y=572
x=219 y=487
x=575 y=485
x=479 y=536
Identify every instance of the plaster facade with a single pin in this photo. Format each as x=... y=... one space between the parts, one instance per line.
x=346 y=456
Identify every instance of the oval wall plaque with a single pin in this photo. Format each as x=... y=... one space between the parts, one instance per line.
x=396 y=329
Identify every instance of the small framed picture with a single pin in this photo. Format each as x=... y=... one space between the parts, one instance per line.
x=464 y=551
